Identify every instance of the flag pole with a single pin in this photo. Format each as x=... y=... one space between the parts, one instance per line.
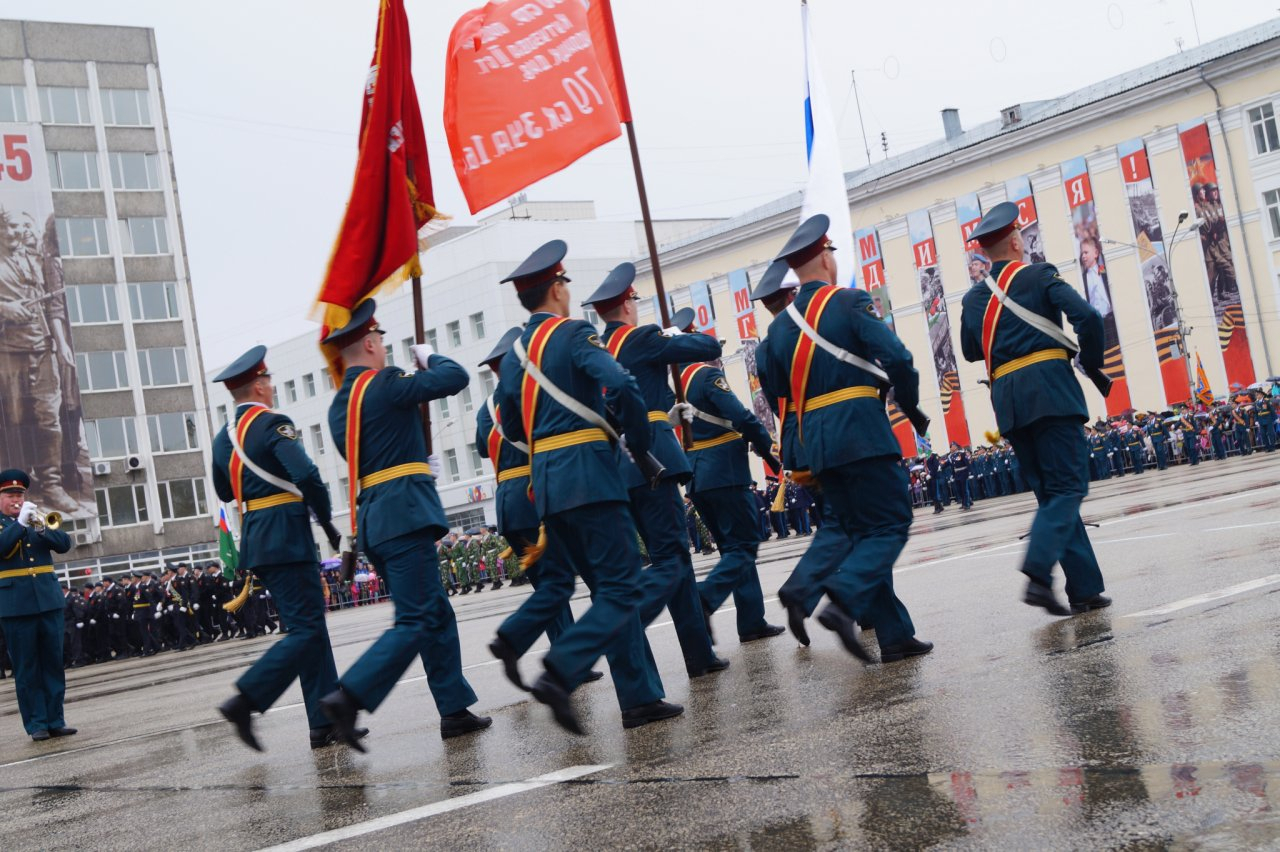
x=420 y=336
x=625 y=104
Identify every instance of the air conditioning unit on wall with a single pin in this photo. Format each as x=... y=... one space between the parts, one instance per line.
x=101 y=468
x=83 y=538
x=133 y=463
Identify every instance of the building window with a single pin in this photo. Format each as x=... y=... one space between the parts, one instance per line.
x=477 y=326
x=83 y=237
x=444 y=408
x=451 y=465
x=92 y=303
x=144 y=235
x=111 y=437
x=126 y=107
x=182 y=498
x=172 y=433
x=589 y=314
x=290 y=392
x=154 y=300
x=454 y=330
x=407 y=343
x=317 y=439
x=275 y=398
x=1271 y=198
x=13 y=103
x=344 y=492
x=432 y=340
x=162 y=367
x=134 y=170
x=391 y=356
x=74 y=170
x=64 y=105
x=1266 y=137
x=477 y=466
x=467 y=407
x=309 y=385
x=121 y=506
x=222 y=415
x=487 y=382
x=328 y=380
x=101 y=370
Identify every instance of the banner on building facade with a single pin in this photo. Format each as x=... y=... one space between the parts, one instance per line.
x=934 y=302
x=1019 y=191
x=704 y=312
x=1154 y=265
x=1215 y=245
x=872 y=279
x=41 y=416
x=745 y=314
x=969 y=214
x=1093 y=274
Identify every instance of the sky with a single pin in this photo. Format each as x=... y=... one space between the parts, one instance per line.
x=263 y=101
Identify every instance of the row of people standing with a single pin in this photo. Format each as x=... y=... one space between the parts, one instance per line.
x=473 y=559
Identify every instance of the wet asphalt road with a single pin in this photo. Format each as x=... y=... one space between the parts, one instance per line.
x=1149 y=725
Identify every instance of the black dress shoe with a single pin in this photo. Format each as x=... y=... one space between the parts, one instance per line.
x=593 y=676
x=1095 y=602
x=502 y=649
x=326 y=736
x=64 y=731
x=652 y=712
x=462 y=722
x=913 y=647
x=795 y=620
x=767 y=632
x=1043 y=596
x=718 y=664
x=40 y=736
x=341 y=710
x=706 y=619
x=550 y=690
x=237 y=711
x=839 y=622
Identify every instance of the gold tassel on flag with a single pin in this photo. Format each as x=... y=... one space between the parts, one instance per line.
x=241 y=599
x=779 y=499
x=534 y=552
x=992 y=436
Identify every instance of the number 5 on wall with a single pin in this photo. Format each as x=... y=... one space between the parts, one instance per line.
x=15 y=151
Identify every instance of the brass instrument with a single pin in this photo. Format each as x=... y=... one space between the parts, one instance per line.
x=46 y=520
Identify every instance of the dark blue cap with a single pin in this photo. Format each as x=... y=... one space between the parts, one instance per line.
x=504 y=345
x=14 y=479
x=615 y=286
x=807 y=240
x=540 y=267
x=998 y=221
x=771 y=282
x=683 y=318
x=244 y=369
x=360 y=324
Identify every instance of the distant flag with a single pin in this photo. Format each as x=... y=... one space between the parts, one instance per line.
x=825 y=192
x=923 y=445
x=1203 y=392
x=227 y=550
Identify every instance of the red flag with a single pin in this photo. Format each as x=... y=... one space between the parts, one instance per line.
x=391 y=198
x=528 y=91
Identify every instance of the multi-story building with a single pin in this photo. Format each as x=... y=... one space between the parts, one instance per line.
x=1157 y=192
x=466 y=312
x=91 y=98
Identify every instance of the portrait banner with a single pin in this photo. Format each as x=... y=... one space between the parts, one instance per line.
x=969 y=214
x=934 y=301
x=1019 y=192
x=872 y=279
x=1215 y=245
x=41 y=415
x=704 y=312
x=744 y=311
x=1093 y=274
x=1154 y=265
x=745 y=314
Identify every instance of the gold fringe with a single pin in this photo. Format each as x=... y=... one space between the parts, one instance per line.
x=779 y=499
x=506 y=554
x=534 y=552
x=992 y=436
x=241 y=599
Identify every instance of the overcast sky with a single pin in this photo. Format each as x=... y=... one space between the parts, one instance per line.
x=263 y=101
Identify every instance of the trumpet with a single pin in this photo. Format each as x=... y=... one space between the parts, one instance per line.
x=46 y=520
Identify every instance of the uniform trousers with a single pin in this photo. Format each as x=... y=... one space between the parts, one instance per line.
x=304 y=653
x=1052 y=451
x=424 y=627
x=35 y=649
x=669 y=581
x=523 y=627
x=730 y=515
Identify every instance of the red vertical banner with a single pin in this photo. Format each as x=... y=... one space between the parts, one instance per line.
x=1154 y=265
x=1215 y=245
x=934 y=300
x=871 y=277
x=745 y=314
x=1093 y=274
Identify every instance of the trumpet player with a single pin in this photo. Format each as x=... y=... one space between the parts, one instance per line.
x=31 y=607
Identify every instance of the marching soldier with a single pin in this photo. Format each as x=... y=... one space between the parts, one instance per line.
x=146 y=613
x=74 y=616
x=1265 y=416
x=648 y=353
x=1038 y=402
x=398 y=517
x=1137 y=447
x=960 y=461
x=556 y=384
x=31 y=608
x=259 y=463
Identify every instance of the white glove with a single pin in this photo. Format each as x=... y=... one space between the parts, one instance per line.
x=622 y=445
x=116 y=616
x=93 y=621
x=172 y=607
x=670 y=331
x=79 y=625
x=158 y=614
x=681 y=411
x=421 y=352
x=24 y=515
x=195 y=606
x=266 y=594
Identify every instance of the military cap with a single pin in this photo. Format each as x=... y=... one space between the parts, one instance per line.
x=361 y=323
x=541 y=267
x=147 y=574
x=614 y=290
x=14 y=480
x=504 y=345
x=244 y=369
x=997 y=224
x=683 y=318
x=97 y=584
x=979 y=256
x=807 y=241
x=771 y=283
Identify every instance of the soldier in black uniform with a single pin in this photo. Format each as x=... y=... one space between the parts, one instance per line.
x=73 y=624
x=146 y=612
x=960 y=461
